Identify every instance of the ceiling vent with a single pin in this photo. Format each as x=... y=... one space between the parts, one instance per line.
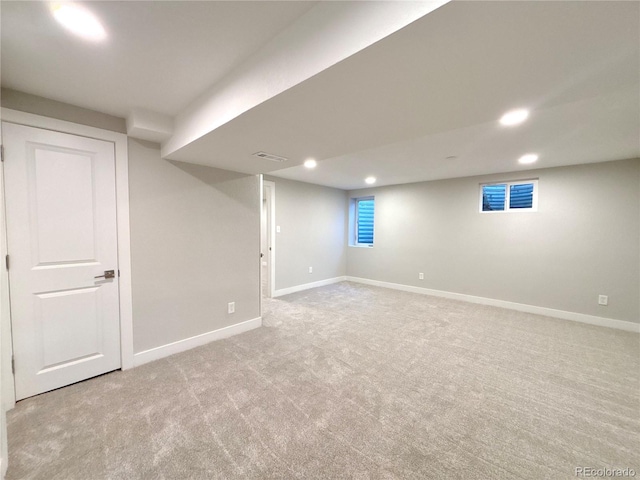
x=269 y=156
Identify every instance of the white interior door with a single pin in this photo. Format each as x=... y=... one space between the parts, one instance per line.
x=267 y=266
x=264 y=251
x=61 y=232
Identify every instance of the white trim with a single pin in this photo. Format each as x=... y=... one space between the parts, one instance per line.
x=7 y=383
x=122 y=201
x=7 y=390
x=124 y=254
x=356 y=213
x=521 y=307
x=48 y=123
x=260 y=262
x=192 y=342
x=271 y=222
x=268 y=192
x=307 y=286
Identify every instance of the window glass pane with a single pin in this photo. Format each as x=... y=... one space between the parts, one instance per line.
x=493 y=197
x=521 y=196
x=364 y=232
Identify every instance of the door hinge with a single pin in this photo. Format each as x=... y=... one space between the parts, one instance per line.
x=118 y=273
x=13 y=364
x=6 y=261
x=1 y=153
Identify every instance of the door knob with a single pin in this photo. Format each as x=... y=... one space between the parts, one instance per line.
x=107 y=274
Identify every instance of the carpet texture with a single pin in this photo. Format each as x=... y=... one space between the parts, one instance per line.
x=352 y=381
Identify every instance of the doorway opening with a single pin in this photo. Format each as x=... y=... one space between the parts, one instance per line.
x=267 y=240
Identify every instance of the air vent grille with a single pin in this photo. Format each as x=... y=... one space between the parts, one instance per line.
x=269 y=156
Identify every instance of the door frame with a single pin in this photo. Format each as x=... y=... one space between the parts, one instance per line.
x=268 y=190
x=122 y=212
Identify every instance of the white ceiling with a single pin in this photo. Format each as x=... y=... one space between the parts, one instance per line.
x=394 y=110
x=159 y=55
x=437 y=88
x=593 y=130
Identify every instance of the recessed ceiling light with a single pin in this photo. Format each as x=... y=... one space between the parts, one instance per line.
x=79 y=21
x=514 y=117
x=370 y=180
x=528 y=158
x=310 y=163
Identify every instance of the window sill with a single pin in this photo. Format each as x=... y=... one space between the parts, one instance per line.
x=362 y=246
x=511 y=210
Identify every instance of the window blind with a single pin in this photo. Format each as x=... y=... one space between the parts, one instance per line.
x=365 y=211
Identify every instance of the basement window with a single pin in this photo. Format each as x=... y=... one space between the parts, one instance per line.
x=520 y=196
x=363 y=221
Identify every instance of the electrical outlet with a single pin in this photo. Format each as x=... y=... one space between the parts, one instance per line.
x=231 y=307
x=310 y=269
x=603 y=300
x=421 y=276
x=277 y=228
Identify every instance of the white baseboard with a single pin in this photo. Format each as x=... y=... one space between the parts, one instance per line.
x=192 y=342
x=521 y=307
x=307 y=286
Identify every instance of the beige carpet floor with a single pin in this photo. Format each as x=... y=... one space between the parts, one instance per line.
x=350 y=381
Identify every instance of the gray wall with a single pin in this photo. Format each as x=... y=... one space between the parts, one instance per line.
x=25 y=102
x=195 y=239
x=583 y=241
x=312 y=219
x=195 y=234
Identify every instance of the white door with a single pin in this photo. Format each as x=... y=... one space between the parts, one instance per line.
x=61 y=231
x=267 y=267
x=264 y=250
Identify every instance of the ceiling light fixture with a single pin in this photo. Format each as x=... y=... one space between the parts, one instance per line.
x=528 y=158
x=514 y=117
x=370 y=180
x=79 y=21
x=310 y=163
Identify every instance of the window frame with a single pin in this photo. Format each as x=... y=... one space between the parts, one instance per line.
x=507 y=199
x=356 y=200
